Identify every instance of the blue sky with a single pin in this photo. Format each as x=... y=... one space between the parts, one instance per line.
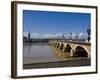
x=46 y=22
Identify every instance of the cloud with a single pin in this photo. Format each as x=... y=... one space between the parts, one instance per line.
x=49 y=36
x=74 y=35
x=32 y=35
x=60 y=35
x=25 y=34
x=82 y=35
x=35 y=35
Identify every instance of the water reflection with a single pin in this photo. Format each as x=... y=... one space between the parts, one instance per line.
x=38 y=53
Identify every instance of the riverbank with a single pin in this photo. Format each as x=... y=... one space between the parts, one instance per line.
x=68 y=63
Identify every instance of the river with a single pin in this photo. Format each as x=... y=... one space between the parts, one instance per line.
x=37 y=53
x=42 y=53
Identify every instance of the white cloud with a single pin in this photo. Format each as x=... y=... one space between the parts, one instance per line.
x=59 y=35
x=82 y=35
x=35 y=35
x=49 y=35
x=74 y=35
x=25 y=34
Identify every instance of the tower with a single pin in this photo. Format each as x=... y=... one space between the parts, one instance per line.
x=89 y=33
x=29 y=38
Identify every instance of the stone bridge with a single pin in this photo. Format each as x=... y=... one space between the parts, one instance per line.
x=73 y=48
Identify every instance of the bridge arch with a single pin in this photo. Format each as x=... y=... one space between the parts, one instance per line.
x=61 y=46
x=67 y=48
x=80 y=51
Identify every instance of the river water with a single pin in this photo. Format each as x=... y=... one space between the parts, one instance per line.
x=43 y=53
x=38 y=53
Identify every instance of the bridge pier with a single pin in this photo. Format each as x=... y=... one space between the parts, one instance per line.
x=72 y=53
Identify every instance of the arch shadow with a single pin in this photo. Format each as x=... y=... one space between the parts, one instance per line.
x=61 y=46
x=67 y=48
x=80 y=52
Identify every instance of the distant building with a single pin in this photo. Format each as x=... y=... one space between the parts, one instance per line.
x=24 y=38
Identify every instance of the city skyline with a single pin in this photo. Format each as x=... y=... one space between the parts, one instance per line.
x=49 y=23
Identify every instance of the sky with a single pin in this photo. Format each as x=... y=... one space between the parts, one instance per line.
x=50 y=24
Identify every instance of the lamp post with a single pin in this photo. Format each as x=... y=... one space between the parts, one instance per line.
x=88 y=32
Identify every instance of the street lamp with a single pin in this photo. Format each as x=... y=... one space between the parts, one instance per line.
x=88 y=32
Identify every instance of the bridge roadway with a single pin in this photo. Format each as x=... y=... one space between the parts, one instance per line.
x=72 y=48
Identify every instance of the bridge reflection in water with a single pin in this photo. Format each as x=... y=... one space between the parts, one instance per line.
x=56 y=54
